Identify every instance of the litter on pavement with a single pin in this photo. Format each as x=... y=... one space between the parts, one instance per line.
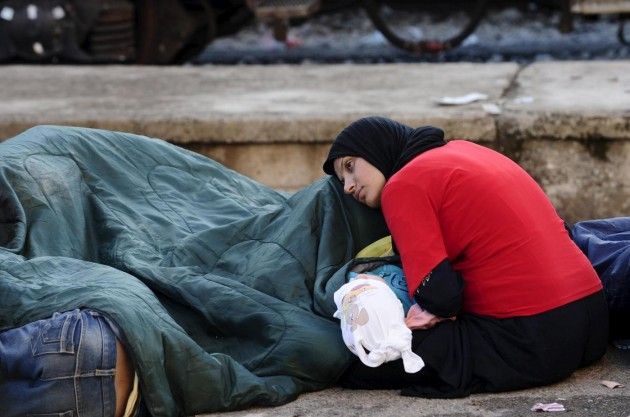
x=611 y=384
x=548 y=407
x=460 y=100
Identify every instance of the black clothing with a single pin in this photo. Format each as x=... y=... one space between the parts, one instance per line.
x=441 y=292
x=483 y=354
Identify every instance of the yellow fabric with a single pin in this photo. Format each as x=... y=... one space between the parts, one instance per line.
x=134 y=396
x=382 y=247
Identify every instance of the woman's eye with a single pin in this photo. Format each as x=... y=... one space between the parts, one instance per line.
x=349 y=165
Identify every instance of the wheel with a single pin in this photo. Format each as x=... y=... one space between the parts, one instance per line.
x=374 y=11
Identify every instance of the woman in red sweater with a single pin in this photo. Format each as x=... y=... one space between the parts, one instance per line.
x=479 y=241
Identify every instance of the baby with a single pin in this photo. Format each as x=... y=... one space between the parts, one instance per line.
x=373 y=322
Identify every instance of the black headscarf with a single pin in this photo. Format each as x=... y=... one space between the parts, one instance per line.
x=384 y=143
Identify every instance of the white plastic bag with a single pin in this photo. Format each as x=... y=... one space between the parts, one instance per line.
x=373 y=324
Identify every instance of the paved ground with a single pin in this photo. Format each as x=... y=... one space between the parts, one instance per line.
x=582 y=395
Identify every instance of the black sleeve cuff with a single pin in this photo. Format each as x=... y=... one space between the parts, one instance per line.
x=441 y=291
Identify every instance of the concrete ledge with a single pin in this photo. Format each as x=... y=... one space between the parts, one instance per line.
x=257 y=104
x=571 y=100
x=567 y=123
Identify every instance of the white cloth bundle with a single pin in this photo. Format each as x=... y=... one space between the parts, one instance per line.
x=372 y=319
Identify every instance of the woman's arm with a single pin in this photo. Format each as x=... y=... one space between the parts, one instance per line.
x=438 y=298
x=412 y=216
x=441 y=291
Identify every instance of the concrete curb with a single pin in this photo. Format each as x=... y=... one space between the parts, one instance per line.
x=568 y=123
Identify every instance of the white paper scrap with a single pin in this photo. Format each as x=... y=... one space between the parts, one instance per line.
x=523 y=100
x=491 y=108
x=611 y=384
x=549 y=407
x=460 y=100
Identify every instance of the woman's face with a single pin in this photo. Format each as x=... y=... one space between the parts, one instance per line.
x=361 y=179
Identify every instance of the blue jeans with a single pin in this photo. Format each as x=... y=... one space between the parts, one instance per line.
x=63 y=366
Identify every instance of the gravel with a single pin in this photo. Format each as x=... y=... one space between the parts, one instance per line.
x=529 y=32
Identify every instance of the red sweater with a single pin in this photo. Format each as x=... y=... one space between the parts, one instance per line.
x=490 y=219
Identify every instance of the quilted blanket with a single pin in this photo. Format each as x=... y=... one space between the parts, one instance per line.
x=221 y=287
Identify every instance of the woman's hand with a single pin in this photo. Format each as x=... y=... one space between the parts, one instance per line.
x=417 y=318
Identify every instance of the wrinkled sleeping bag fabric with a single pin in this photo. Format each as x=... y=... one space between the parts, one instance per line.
x=222 y=287
x=606 y=243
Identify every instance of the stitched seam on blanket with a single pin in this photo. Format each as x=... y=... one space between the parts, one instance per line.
x=273 y=347
x=159 y=196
